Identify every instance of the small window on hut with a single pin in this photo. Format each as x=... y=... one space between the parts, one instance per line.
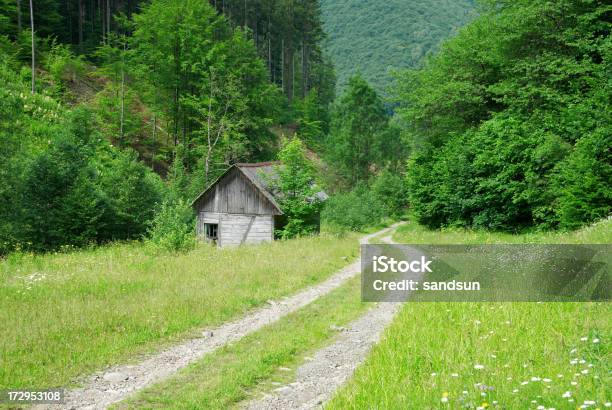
x=211 y=231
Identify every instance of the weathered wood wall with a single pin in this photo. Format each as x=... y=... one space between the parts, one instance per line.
x=234 y=194
x=235 y=229
x=239 y=229
x=242 y=212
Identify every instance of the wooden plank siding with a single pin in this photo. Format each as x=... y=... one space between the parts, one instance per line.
x=242 y=212
x=235 y=194
x=239 y=229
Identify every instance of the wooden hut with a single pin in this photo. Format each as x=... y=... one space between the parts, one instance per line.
x=239 y=206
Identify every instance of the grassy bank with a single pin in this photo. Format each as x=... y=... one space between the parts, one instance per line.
x=497 y=355
x=469 y=355
x=64 y=315
x=258 y=361
x=413 y=233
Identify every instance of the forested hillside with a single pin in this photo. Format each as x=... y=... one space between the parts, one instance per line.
x=286 y=35
x=132 y=105
x=375 y=37
x=96 y=96
x=510 y=122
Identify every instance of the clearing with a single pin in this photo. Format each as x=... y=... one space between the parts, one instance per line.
x=497 y=355
x=116 y=383
x=86 y=310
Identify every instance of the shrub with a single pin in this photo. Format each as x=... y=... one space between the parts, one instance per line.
x=65 y=185
x=390 y=190
x=297 y=198
x=172 y=228
x=132 y=192
x=62 y=64
x=497 y=177
x=584 y=182
x=354 y=210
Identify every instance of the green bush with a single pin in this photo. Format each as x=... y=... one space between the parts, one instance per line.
x=63 y=184
x=389 y=189
x=297 y=191
x=509 y=122
x=172 y=228
x=584 y=182
x=498 y=177
x=132 y=192
x=62 y=64
x=354 y=210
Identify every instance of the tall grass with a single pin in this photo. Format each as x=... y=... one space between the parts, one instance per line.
x=497 y=355
x=258 y=361
x=489 y=355
x=413 y=233
x=68 y=314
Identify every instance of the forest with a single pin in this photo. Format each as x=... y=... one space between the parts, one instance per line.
x=114 y=115
x=377 y=38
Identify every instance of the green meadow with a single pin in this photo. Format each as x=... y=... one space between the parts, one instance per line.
x=259 y=362
x=489 y=355
x=65 y=315
x=479 y=355
x=413 y=233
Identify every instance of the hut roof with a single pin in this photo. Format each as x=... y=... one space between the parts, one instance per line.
x=262 y=175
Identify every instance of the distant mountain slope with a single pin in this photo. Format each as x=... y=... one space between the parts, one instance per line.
x=377 y=36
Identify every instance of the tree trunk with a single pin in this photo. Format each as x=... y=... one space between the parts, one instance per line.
x=81 y=13
x=92 y=8
x=293 y=75
x=108 y=17
x=122 y=91
x=283 y=66
x=304 y=68
x=33 y=49
x=19 y=16
x=102 y=13
x=288 y=54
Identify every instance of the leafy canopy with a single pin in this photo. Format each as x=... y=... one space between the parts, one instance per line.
x=510 y=120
